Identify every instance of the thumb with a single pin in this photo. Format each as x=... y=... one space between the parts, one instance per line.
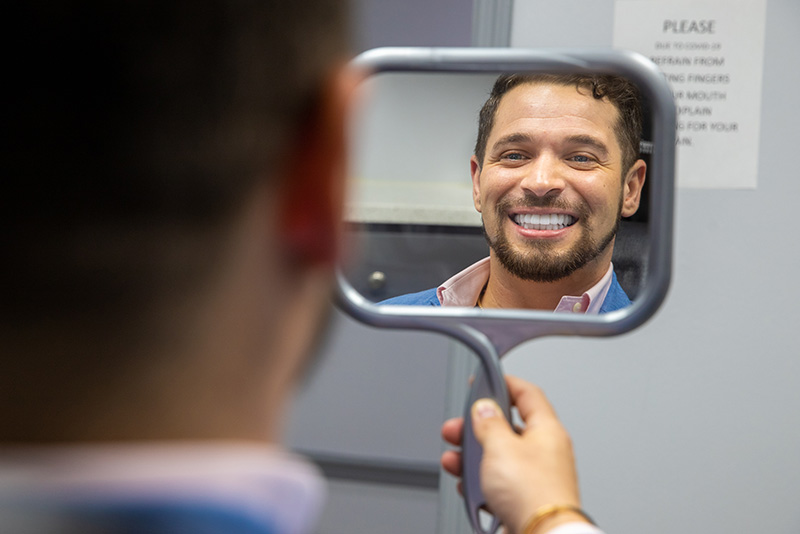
x=488 y=419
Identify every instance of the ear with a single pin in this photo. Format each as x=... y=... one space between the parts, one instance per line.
x=632 y=188
x=311 y=200
x=475 y=171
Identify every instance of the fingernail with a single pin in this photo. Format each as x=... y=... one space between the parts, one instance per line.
x=484 y=408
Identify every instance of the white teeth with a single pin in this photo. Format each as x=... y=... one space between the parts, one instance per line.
x=552 y=221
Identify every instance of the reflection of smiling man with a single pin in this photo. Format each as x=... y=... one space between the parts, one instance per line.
x=555 y=167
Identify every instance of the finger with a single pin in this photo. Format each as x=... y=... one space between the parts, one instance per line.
x=530 y=400
x=452 y=430
x=451 y=462
x=488 y=421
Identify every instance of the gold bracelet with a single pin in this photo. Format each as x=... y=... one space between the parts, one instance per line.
x=552 y=509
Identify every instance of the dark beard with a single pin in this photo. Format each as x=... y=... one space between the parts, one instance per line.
x=539 y=263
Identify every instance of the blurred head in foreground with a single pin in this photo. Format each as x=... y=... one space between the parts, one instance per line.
x=175 y=176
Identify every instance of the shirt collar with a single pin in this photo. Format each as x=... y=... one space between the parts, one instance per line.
x=464 y=288
x=592 y=299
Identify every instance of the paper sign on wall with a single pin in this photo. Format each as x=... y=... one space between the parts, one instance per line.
x=712 y=54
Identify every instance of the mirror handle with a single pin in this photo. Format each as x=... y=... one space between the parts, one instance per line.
x=471 y=451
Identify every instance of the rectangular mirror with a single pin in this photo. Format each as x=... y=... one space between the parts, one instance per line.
x=566 y=181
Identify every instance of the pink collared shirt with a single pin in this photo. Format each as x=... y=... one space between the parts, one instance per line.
x=464 y=288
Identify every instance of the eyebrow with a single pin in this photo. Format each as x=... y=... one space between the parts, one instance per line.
x=589 y=141
x=512 y=139
x=579 y=139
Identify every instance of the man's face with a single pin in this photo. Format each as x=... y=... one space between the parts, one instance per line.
x=551 y=187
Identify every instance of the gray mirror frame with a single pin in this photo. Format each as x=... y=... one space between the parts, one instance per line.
x=505 y=329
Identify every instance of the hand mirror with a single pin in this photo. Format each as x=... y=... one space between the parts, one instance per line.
x=417 y=187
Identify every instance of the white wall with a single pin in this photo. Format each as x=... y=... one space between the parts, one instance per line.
x=411 y=142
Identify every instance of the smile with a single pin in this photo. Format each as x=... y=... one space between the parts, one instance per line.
x=553 y=221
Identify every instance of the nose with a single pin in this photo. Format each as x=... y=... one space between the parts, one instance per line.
x=543 y=176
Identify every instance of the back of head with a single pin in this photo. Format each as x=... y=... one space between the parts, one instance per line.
x=135 y=129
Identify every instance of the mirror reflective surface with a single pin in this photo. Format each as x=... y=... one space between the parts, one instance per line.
x=412 y=221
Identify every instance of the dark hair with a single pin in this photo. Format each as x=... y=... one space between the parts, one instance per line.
x=136 y=124
x=616 y=89
x=135 y=129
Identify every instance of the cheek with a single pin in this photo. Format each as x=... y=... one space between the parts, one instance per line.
x=498 y=184
x=601 y=195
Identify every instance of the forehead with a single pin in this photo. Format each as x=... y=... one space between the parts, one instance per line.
x=550 y=109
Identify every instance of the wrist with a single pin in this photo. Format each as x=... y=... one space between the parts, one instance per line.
x=549 y=523
x=549 y=517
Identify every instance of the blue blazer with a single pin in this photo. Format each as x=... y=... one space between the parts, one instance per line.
x=615 y=298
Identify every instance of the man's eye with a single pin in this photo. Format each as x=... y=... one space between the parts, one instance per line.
x=581 y=158
x=514 y=156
